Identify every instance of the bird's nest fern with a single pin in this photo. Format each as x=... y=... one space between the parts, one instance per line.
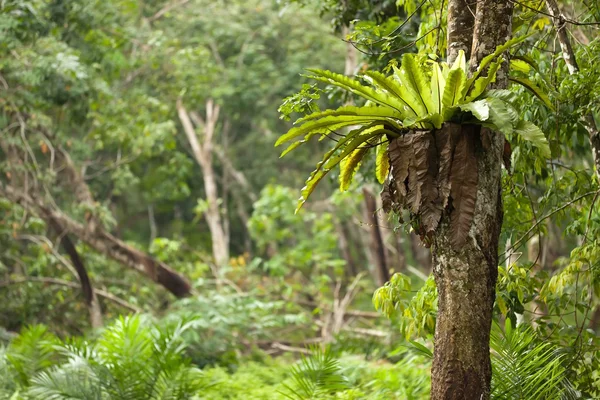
x=424 y=122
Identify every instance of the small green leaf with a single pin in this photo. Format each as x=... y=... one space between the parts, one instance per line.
x=533 y=88
x=533 y=134
x=479 y=109
x=502 y=115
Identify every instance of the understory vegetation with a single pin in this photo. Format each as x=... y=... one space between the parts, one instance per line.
x=154 y=244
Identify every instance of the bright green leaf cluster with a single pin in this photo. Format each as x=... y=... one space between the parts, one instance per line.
x=412 y=98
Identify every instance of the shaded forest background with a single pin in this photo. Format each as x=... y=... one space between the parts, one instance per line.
x=147 y=224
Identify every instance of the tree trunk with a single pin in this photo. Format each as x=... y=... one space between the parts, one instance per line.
x=351 y=270
x=203 y=154
x=461 y=18
x=89 y=295
x=376 y=245
x=466 y=277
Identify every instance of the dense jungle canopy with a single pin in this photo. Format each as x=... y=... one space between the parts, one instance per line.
x=299 y=199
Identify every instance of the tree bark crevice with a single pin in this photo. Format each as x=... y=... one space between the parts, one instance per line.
x=466 y=277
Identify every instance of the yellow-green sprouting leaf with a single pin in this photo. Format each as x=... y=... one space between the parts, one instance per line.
x=453 y=92
x=438 y=82
x=460 y=62
x=349 y=166
x=382 y=161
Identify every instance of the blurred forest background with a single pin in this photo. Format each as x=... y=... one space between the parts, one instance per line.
x=149 y=247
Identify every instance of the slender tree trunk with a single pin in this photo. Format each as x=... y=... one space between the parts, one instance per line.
x=376 y=245
x=344 y=245
x=466 y=278
x=203 y=153
x=89 y=295
x=461 y=19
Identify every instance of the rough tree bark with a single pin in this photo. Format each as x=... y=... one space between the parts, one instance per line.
x=466 y=278
x=203 y=153
x=461 y=18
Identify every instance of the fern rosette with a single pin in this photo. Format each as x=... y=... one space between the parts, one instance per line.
x=424 y=123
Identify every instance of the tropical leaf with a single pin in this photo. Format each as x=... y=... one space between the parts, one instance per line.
x=346 y=146
x=353 y=86
x=502 y=94
x=502 y=115
x=411 y=75
x=533 y=88
x=316 y=376
x=438 y=82
x=382 y=161
x=526 y=60
x=349 y=166
x=525 y=368
x=366 y=111
x=395 y=88
x=476 y=87
x=533 y=134
x=330 y=124
x=463 y=189
x=453 y=92
x=479 y=109
x=499 y=50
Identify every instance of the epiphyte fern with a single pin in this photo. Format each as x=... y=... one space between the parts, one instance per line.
x=414 y=97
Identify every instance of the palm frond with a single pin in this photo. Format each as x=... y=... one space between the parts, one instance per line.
x=525 y=368
x=316 y=375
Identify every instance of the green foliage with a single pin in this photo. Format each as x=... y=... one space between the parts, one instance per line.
x=316 y=376
x=413 y=98
x=416 y=315
x=131 y=359
x=305 y=241
x=525 y=368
